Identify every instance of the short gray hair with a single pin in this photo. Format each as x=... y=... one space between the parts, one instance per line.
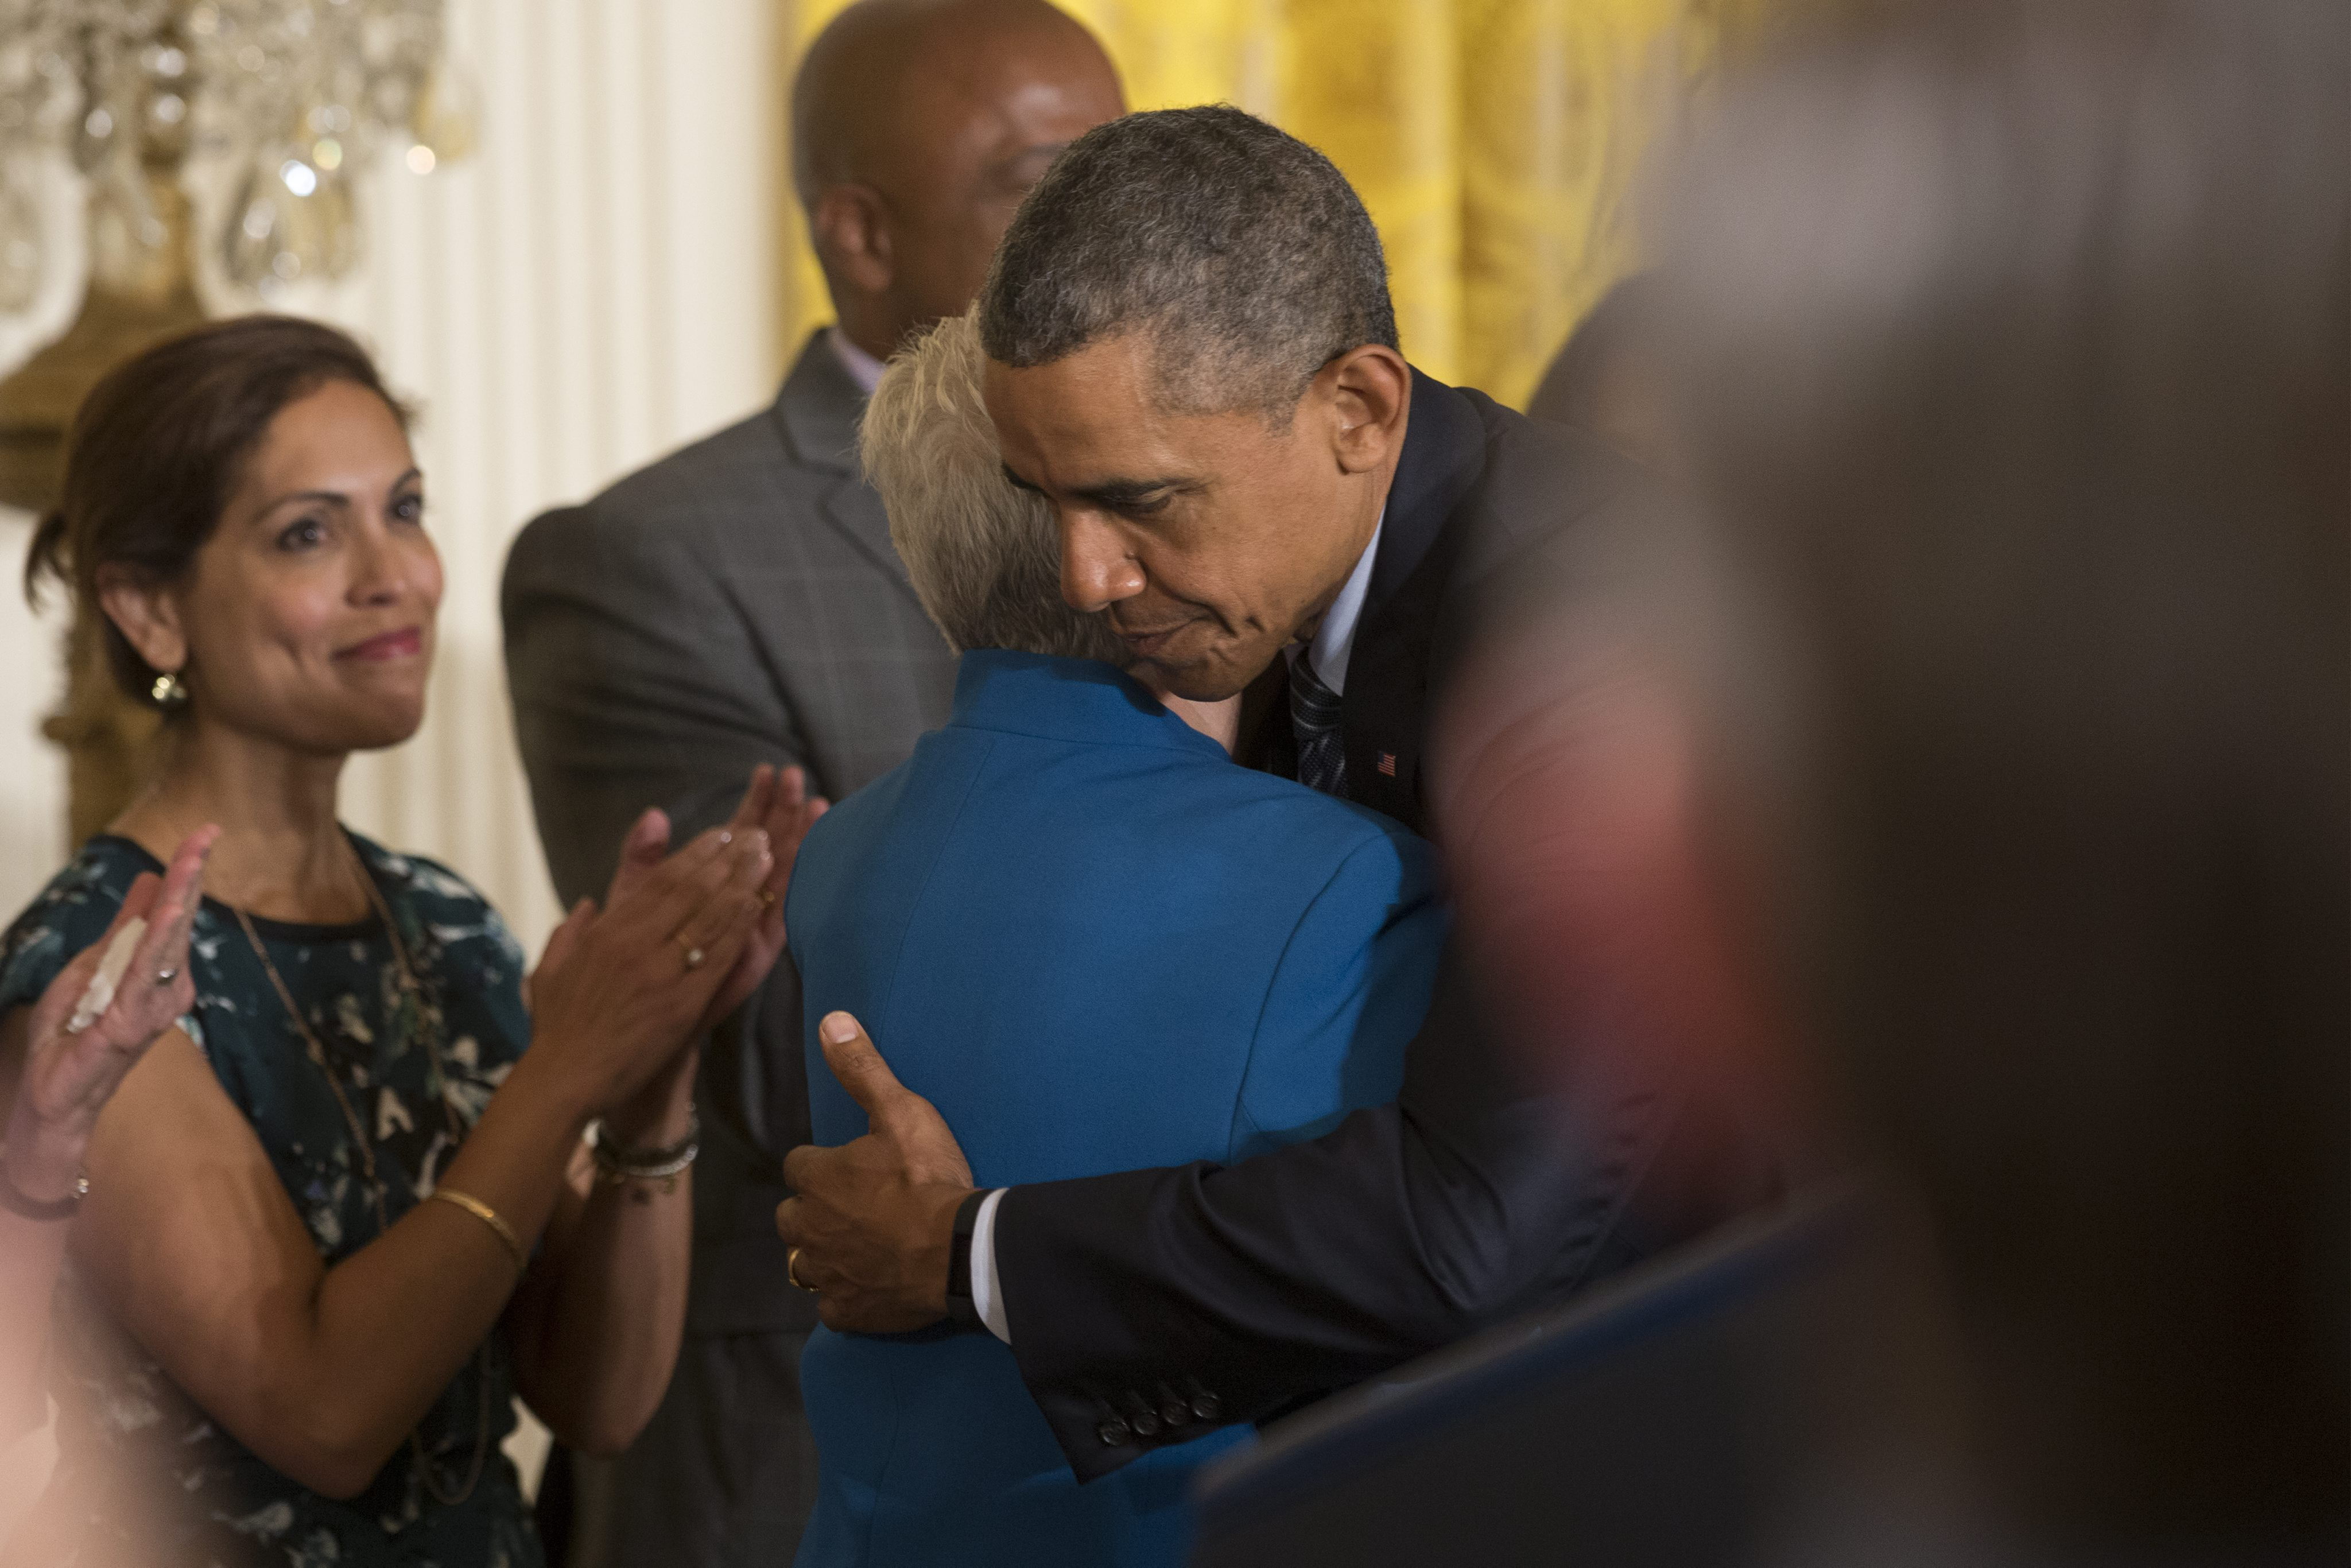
x=983 y=554
x=1243 y=250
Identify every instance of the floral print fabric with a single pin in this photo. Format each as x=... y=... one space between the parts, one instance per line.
x=120 y=1414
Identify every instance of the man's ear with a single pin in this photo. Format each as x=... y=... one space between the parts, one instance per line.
x=850 y=231
x=1370 y=394
x=146 y=615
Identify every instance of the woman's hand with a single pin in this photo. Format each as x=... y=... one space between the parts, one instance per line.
x=777 y=800
x=617 y=993
x=71 y=1074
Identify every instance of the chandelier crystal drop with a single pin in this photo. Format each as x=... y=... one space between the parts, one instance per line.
x=266 y=111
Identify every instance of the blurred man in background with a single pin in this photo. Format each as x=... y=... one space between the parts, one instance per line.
x=739 y=601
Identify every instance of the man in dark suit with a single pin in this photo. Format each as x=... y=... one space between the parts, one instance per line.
x=1194 y=360
x=739 y=602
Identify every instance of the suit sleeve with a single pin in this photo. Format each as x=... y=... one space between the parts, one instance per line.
x=1247 y=1289
x=634 y=683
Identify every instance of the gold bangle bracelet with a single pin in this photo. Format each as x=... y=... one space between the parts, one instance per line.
x=490 y=1217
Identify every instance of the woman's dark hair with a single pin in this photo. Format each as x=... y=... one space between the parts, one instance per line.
x=161 y=444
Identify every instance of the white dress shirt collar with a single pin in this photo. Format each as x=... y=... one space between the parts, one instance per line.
x=1334 y=640
x=863 y=368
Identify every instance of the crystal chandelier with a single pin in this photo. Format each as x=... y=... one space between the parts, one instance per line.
x=234 y=127
x=265 y=110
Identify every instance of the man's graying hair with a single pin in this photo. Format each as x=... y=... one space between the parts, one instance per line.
x=1242 y=249
x=983 y=555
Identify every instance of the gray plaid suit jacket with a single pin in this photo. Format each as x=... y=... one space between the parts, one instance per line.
x=736 y=602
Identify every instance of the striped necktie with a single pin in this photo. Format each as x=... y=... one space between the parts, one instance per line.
x=1314 y=714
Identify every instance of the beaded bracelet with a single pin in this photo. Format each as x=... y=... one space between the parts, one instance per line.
x=617 y=1166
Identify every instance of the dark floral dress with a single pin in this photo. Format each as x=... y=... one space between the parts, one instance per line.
x=119 y=1413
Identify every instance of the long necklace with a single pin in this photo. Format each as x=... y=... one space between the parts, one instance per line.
x=413 y=1003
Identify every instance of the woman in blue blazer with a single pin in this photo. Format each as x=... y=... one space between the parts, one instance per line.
x=1094 y=942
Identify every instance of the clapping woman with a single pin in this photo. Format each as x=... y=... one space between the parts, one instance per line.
x=338 y=1215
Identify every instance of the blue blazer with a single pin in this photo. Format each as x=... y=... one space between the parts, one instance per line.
x=1095 y=943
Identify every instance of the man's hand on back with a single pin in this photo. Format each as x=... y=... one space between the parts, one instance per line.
x=873 y=1220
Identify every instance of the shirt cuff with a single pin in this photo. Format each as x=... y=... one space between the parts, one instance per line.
x=986 y=1290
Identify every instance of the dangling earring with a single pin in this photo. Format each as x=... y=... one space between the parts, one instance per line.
x=168 y=692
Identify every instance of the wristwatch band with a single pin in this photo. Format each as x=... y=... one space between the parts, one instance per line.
x=962 y=1310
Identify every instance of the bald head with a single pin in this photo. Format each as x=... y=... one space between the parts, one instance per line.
x=917 y=126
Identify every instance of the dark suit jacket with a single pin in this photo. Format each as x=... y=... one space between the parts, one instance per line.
x=1253 y=1287
x=736 y=602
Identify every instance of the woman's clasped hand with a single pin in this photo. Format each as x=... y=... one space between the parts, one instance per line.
x=620 y=991
x=681 y=941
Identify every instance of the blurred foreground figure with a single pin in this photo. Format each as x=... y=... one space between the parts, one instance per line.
x=2012 y=356
x=76 y=1047
x=1604 y=382
x=2021 y=400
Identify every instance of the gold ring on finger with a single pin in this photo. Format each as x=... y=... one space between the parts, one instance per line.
x=792 y=1272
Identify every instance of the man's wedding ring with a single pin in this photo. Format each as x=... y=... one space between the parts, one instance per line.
x=767 y=899
x=792 y=1271
x=693 y=955
x=165 y=975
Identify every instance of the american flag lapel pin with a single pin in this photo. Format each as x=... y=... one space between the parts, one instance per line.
x=1387 y=763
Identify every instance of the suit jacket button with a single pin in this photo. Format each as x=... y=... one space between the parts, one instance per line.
x=1207 y=1406
x=1113 y=1433
x=1146 y=1425
x=1175 y=1412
